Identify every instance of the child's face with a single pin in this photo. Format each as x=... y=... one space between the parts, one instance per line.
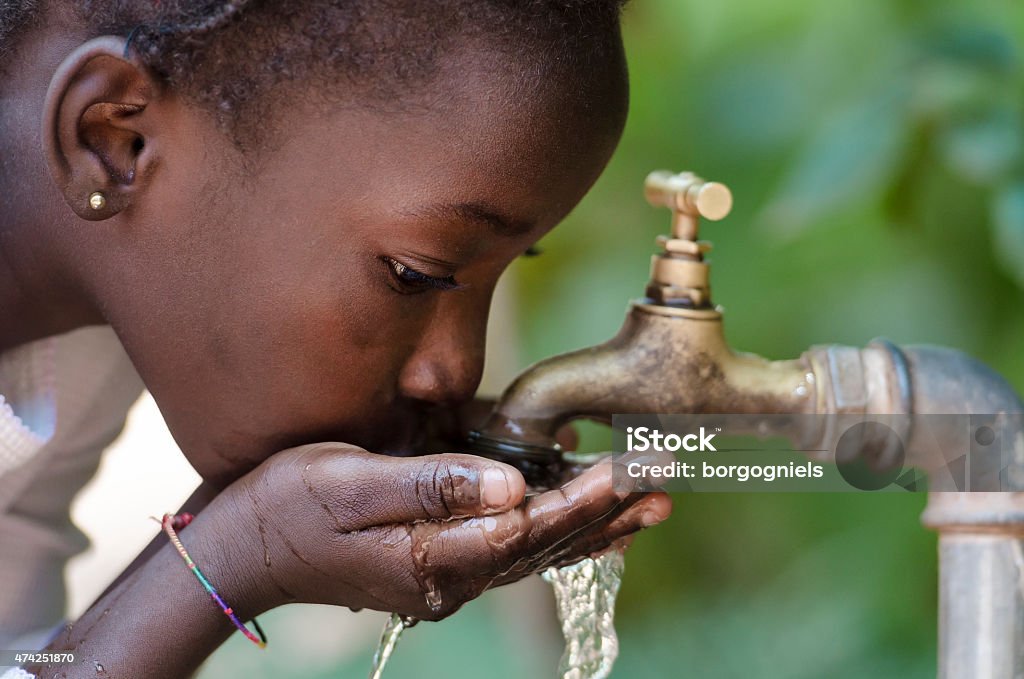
x=270 y=307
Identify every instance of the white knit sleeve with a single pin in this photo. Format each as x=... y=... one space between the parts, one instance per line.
x=64 y=400
x=28 y=407
x=17 y=673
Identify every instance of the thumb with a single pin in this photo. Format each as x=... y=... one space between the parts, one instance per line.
x=373 y=490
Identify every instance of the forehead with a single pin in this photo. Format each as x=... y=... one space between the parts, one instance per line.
x=481 y=134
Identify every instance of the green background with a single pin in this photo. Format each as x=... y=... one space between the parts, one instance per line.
x=874 y=149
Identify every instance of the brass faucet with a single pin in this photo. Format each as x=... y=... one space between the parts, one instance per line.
x=671 y=357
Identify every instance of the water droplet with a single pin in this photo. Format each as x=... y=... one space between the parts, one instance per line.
x=99 y=668
x=433 y=597
x=424 y=573
x=308 y=466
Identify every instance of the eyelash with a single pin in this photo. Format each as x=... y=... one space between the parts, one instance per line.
x=414 y=281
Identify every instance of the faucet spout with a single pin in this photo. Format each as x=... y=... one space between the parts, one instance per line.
x=663 y=360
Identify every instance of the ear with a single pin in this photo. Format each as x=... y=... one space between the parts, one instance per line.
x=97 y=124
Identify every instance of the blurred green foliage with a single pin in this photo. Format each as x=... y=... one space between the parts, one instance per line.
x=876 y=153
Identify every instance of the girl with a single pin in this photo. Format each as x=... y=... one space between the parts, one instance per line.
x=288 y=219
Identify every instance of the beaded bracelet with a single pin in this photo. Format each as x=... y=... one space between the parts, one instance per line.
x=170 y=524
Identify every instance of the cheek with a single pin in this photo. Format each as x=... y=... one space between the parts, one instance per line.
x=284 y=357
x=330 y=346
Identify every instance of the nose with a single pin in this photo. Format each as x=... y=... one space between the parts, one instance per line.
x=447 y=362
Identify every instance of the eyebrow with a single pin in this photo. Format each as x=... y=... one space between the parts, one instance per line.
x=479 y=213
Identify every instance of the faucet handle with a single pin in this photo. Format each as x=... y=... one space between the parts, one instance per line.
x=689 y=197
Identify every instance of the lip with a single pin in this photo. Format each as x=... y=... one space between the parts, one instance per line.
x=401 y=436
x=408 y=444
x=405 y=432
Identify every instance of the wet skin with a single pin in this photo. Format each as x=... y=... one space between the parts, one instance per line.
x=333 y=286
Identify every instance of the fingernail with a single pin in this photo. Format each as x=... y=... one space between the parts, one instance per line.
x=494 y=490
x=650 y=518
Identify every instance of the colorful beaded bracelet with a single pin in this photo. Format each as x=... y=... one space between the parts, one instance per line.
x=172 y=523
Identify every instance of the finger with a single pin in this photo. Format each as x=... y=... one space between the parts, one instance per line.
x=620 y=545
x=635 y=464
x=459 y=559
x=557 y=514
x=528 y=533
x=648 y=511
x=362 y=489
x=476 y=552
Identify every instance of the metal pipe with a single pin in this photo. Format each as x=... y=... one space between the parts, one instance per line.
x=671 y=357
x=981 y=534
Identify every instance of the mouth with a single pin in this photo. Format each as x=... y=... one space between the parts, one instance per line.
x=424 y=431
x=405 y=436
x=410 y=447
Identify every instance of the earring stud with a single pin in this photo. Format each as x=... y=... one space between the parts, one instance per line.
x=97 y=201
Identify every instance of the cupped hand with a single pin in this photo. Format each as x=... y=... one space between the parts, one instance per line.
x=419 y=536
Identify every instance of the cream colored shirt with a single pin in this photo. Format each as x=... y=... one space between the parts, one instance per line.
x=63 y=400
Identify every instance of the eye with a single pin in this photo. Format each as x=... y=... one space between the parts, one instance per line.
x=408 y=280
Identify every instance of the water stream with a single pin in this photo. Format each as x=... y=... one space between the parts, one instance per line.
x=389 y=637
x=585 y=595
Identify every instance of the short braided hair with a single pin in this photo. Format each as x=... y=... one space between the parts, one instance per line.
x=233 y=56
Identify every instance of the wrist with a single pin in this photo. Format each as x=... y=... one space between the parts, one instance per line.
x=160 y=622
x=234 y=557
